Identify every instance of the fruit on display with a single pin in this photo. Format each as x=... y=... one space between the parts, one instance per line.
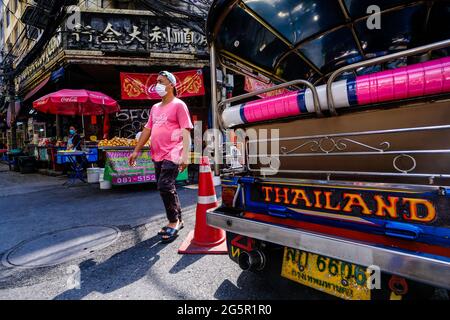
x=119 y=142
x=60 y=143
x=43 y=142
x=67 y=151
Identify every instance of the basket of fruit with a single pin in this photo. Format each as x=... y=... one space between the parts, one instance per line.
x=119 y=142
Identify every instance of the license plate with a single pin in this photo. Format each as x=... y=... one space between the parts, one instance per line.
x=339 y=278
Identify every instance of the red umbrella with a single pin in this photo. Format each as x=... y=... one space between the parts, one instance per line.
x=76 y=102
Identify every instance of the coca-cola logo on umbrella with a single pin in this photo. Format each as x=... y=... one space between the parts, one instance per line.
x=69 y=99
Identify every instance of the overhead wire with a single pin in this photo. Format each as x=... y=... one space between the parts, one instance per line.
x=194 y=18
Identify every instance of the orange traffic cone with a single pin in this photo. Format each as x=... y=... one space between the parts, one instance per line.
x=205 y=239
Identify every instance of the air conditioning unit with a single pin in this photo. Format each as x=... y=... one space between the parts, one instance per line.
x=36 y=16
x=33 y=33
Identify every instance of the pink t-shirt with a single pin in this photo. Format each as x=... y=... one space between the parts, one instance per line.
x=166 y=124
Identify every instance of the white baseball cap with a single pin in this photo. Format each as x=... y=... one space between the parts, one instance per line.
x=169 y=77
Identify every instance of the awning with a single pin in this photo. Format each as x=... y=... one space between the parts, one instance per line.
x=36 y=89
x=15 y=105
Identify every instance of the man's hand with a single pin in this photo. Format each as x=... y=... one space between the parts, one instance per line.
x=145 y=135
x=183 y=163
x=132 y=159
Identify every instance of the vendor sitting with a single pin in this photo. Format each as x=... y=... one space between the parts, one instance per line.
x=74 y=142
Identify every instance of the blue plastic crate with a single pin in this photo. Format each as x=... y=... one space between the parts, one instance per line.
x=62 y=159
x=92 y=155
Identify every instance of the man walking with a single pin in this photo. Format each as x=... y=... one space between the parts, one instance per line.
x=168 y=126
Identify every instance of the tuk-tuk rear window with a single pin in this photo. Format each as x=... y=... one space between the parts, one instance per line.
x=332 y=49
x=298 y=20
x=293 y=67
x=398 y=31
x=247 y=38
x=358 y=8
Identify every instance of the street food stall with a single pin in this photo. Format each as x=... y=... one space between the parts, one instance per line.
x=112 y=153
x=352 y=197
x=76 y=103
x=116 y=152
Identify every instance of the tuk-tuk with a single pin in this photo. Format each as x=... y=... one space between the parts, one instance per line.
x=354 y=199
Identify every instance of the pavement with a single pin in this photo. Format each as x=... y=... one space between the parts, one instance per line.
x=34 y=208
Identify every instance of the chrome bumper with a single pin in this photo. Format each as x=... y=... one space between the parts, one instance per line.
x=422 y=269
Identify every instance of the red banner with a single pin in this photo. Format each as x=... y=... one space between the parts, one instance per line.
x=141 y=86
x=254 y=85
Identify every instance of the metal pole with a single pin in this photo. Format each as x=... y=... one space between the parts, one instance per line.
x=12 y=105
x=212 y=52
x=82 y=117
x=82 y=121
x=58 y=118
x=12 y=102
x=58 y=127
x=279 y=86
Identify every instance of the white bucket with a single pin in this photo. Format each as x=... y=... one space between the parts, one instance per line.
x=93 y=175
x=101 y=173
x=105 y=184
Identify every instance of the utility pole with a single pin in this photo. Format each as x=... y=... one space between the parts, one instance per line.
x=10 y=89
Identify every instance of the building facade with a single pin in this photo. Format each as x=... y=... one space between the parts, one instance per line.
x=100 y=46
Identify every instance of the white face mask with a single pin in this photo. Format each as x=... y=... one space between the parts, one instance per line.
x=160 y=89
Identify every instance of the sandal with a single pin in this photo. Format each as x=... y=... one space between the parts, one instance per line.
x=172 y=234
x=163 y=230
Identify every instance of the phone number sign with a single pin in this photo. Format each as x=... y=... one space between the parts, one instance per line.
x=121 y=180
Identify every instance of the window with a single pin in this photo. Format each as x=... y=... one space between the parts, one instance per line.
x=18 y=38
x=12 y=37
x=13 y=6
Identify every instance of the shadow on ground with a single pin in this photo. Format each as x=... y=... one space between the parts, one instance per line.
x=120 y=270
x=185 y=261
x=251 y=286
